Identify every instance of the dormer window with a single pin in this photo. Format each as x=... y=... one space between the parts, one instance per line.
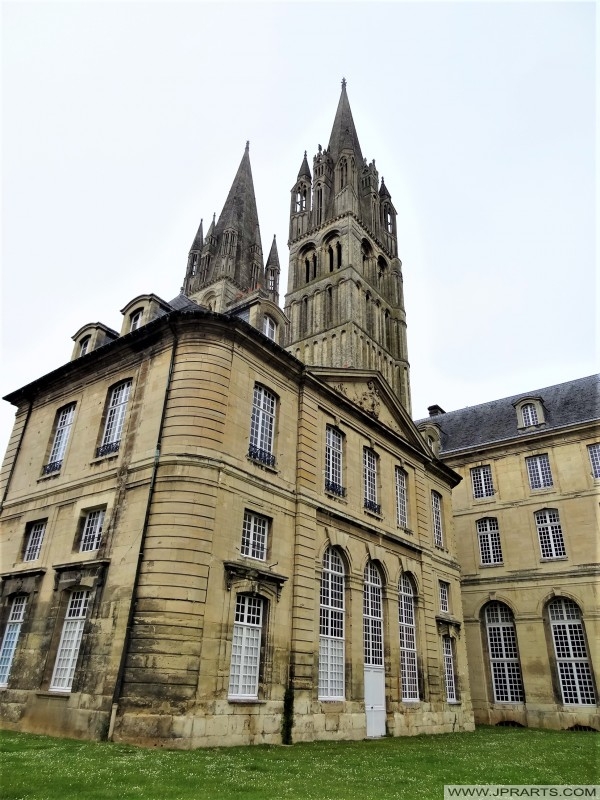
x=269 y=327
x=84 y=345
x=135 y=319
x=530 y=412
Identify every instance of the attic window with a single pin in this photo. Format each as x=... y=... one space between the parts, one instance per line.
x=530 y=412
x=84 y=345
x=135 y=319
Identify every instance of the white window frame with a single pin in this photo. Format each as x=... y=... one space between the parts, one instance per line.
x=115 y=415
x=550 y=535
x=331 y=628
x=444 y=597
x=529 y=415
x=334 y=452
x=436 y=515
x=255 y=533
x=503 y=652
x=408 y=641
x=594 y=454
x=370 y=480
x=482 y=481
x=539 y=472
x=64 y=421
x=449 y=674
x=91 y=531
x=490 y=546
x=262 y=425
x=84 y=345
x=245 y=647
x=372 y=616
x=70 y=641
x=35 y=538
x=269 y=327
x=135 y=319
x=11 y=636
x=401 y=498
x=572 y=660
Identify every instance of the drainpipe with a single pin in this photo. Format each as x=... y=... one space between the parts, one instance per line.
x=138 y=569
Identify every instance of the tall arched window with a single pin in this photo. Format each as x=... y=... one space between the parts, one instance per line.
x=408 y=639
x=529 y=413
x=319 y=204
x=372 y=617
x=572 y=661
x=331 y=628
x=503 y=653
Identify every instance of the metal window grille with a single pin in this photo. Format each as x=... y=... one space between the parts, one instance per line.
x=113 y=428
x=444 y=597
x=538 y=469
x=401 y=503
x=550 y=534
x=574 y=669
x=449 y=669
x=61 y=437
x=11 y=637
x=331 y=628
x=70 y=642
x=488 y=533
x=594 y=451
x=269 y=327
x=503 y=653
x=372 y=616
x=529 y=414
x=34 y=541
x=436 y=511
x=408 y=640
x=483 y=485
x=254 y=536
x=262 y=425
x=245 y=649
x=92 y=530
x=370 y=480
x=333 y=461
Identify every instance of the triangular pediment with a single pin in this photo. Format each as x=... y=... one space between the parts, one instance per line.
x=372 y=394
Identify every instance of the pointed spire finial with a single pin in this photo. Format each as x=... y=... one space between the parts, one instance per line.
x=343 y=83
x=248 y=145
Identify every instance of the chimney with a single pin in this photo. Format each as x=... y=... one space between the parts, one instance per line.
x=435 y=411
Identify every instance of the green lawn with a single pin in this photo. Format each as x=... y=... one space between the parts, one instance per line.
x=43 y=768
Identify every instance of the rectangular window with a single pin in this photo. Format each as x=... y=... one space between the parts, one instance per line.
x=450 y=680
x=594 y=452
x=488 y=533
x=444 y=597
x=34 y=540
x=370 y=480
x=483 y=486
x=245 y=649
x=70 y=642
x=262 y=426
x=11 y=637
x=92 y=530
x=64 y=421
x=538 y=469
x=115 y=417
x=254 y=536
x=408 y=641
x=333 y=461
x=401 y=500
x=269 y=327
x=436 y=513
x=552 y=544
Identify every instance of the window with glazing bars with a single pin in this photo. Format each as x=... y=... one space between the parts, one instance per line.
x=444 y=596
x=436 y=513
x=504 y=655
x=401 y=499
x=594 y=453
x=572 y=661
x=333 y=461
x=408 y=640
x=34 y=540
x=529 y=414
x=331 y=628
x=269 y=327
x=550 y=533
x=115 y=417
x=450 y=679
x=254 y=536
x=91 y=534
x=483 y=485
x=488 y=533
x=70 y=642
x=262 y=425
x=245 y=648
x=538 y=469
x=370 y=480
x=11 y=636
x=64 y=421
x=372 y=617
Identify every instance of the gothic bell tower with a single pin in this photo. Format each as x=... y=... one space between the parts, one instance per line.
x=345 y=298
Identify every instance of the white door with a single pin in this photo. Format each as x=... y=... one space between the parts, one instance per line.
x=375 y=700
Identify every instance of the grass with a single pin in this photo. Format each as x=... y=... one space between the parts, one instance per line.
x=44 y=768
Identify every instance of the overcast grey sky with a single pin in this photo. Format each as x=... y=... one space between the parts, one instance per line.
x=124 y=123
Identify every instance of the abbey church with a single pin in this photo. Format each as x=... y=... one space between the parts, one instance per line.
x=220 y=524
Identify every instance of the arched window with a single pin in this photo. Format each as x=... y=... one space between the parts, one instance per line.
x=408 y=640
x=572 y=661
x=503 y=654
x=319 y=204
x=135 y=319
x=529 y=413
x=84 y=345
x=330 y=257
x=338 y=250
x=331 y=628
x=372 y=617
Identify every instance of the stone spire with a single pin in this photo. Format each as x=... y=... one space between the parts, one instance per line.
x=272 y=272
x=343 y=133
x=198 y=240
x=304 y=169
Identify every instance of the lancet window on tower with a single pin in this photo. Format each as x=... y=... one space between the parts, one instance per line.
x=343 y=171
x=388 y=218
x=301 y=198
x=319 y=204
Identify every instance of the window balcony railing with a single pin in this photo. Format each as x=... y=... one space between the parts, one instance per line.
x=258 y=454
x=53 y=466
x=107 y=449
x=334 y=488
x=371 y=505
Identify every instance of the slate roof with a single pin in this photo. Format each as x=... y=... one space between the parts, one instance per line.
x=183 y=303
x=565 y=404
